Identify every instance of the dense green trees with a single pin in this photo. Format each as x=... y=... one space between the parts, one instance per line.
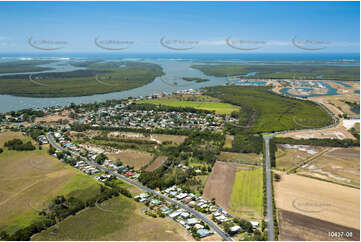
x=17 y=144
x=318 y=142
x=246 y=143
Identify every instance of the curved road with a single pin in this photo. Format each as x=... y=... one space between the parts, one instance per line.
x=195 y=213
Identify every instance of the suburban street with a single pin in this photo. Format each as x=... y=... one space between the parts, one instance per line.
x=270 y=228
x=211 y=224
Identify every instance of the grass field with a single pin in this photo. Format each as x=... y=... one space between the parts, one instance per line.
x=30 y=179
x=228 y=141
x=222 y=108
x=123 y=221
x=247 y=194
x=134 y=158
x=264 y=111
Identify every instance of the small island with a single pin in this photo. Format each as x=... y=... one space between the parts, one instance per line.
x=196 y=79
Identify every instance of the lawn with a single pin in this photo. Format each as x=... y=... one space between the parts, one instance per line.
x=221 y=108
x=247 y=195
x=122 y=220
x=30 y=179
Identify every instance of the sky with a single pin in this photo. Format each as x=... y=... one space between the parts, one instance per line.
x=194 y=27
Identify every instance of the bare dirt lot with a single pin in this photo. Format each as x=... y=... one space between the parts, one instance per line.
x=338 y=132
x=338 y=164
x=134 y=158
x=288 y=156
x=319 y=199
x=159 y=138
x=220 y=183
x=156 y=163
x=54 y=117
x=295 y=227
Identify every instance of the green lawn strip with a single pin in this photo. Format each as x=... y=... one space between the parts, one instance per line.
x=247 y=191
x=222 y=108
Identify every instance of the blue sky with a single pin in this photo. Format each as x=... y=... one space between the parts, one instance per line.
x=200 y=27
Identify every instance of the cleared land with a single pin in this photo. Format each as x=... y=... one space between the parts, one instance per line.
x=318 y=199
x=338 y=132
x=247 y=193
x=242 y=158
x=156 y=163
x=288 y=156
x=222 y=108
x=134 y=158
x=338 y=164
x=220 y=182
x=30 y=179
x=125 y=222
x=159 y=138
x=228 y=141
x=295 y=227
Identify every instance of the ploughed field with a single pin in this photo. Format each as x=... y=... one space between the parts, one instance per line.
x=321 y=203
x=295 y=227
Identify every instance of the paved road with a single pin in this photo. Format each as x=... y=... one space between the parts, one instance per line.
x=270 y=226
x=223 y=235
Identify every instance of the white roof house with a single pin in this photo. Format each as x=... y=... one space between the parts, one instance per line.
x=235 y=228
x=192 y=221
x=174 y=214
x=254 y=224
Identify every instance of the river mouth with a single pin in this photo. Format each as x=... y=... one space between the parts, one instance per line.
x=175 y=68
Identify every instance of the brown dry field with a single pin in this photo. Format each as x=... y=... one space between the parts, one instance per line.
x=228 y=142
x=338 y=132
x=134 y=158
x=220 y=183
x=338 y=164
x=249 y=158
x=176 y=139
x=298 y=227
x=54 y=117
x=156 y=163
x=29 y=179
x=85 y=134
x=319 y=199
x=287 y=158
x=159 y=138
